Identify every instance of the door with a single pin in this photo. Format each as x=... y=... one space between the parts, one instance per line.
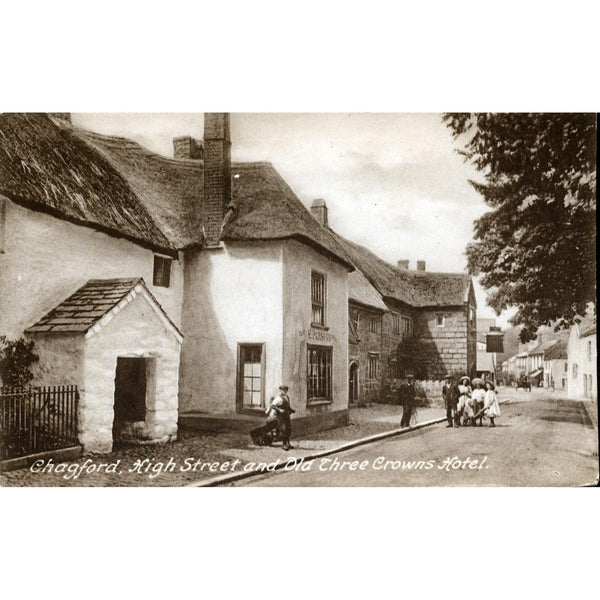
x=353 y=383
x=130 y=392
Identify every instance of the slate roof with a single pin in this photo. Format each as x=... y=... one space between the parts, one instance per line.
x=558 y=351
x=542 y=347
x=414 y=288
x=82 y=310
x=114 y=184
x=361 y=291
x=587 y=326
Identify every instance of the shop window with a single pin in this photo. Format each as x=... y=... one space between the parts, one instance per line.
x=319 y=373
x=317 y=294
x=251 y=376
x=162 y=271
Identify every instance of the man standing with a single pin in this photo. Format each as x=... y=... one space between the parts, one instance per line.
x=407 y=394
x=450 y=395
x=280 y=411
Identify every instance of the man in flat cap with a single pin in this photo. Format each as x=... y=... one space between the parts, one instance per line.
x=279 y=411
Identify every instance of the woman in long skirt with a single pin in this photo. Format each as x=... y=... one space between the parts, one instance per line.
x=492 y=408
x=464 y=408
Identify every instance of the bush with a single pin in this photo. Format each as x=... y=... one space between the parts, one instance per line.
x=16 y=356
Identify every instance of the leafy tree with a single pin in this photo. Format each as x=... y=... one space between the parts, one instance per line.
x=16 y=356
x=536 y=248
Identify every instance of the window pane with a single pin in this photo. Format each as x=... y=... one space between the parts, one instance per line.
x=247 y=397
x=247 y=384
x=247 y=370
x=256 y=369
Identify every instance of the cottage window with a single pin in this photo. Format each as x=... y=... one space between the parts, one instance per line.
x=373 y=366
x=250 y=376
x=374 y=325
x=317 y=293
x=319 y=373
x=566 y=367
x=574 y=369
x=355 y=318
x=440 y=320
x=395 y=323
x=589 y=351
x=162 y=271
x=407 y=327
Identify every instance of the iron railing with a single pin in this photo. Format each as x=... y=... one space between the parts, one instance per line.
x=37 y=419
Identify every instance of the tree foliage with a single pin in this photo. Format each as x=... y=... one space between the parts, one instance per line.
x=16 y=356
x=535 y=249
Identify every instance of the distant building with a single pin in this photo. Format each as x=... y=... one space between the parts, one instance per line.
x=582 y=353
x=556 y=366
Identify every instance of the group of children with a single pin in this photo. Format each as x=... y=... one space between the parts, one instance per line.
x=466 y=405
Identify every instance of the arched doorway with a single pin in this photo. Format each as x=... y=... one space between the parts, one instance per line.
x=353 y=383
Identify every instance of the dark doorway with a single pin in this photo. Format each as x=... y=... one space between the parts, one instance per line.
x=353 y=383
x=130 y=392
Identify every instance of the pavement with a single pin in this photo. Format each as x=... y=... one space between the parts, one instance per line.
x=540 y=440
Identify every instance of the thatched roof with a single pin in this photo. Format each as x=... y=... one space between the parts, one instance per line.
x=83 y=309
x=414 y=288
x=46 y=167
x=116 y=185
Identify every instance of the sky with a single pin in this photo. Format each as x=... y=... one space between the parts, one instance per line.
x=392 y=182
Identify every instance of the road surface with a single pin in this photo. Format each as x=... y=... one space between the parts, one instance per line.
x=540 y=440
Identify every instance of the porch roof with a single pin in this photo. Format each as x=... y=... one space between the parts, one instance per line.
x=84 y=311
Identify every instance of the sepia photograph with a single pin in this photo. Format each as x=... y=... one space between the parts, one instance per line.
x=298 y=299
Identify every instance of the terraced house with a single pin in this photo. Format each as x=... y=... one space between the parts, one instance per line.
x=404 y=322
x=168 y=290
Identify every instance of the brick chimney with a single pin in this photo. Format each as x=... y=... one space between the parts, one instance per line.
x=403 y=264
x=188 y=147
x=420 y=265
x=217 y=175
x=319 y=211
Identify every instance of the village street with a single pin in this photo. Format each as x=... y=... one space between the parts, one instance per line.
x=541 y=439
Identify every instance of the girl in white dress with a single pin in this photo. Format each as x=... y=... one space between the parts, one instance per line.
x=478 y=401
x=492 y=408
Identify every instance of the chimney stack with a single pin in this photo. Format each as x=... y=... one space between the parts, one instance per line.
x=217 y=175
x=420 y=265
x=188 y=147
x=319 y=211
x=403 y=264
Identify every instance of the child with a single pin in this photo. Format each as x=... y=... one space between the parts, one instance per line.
x=478 y=398
x=464 y=407
x=492 y=408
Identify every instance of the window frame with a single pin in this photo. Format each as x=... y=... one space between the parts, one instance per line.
x=159 y=271
x=437 y=319
x=374 y=325
x=241 y=407
x=328 y=397
x=407 y=332
x=323 y=306
x=396 y=323
x=373 y=359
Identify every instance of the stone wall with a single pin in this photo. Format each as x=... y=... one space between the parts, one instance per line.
x=444 y=350
x=136 y=331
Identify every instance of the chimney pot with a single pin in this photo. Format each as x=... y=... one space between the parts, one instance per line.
x=403 y=264
x=420 y=265
x=319 y=211
x=188 y=147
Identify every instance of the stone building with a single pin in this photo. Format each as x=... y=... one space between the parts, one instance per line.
x=427 y=329
x=582 y=360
